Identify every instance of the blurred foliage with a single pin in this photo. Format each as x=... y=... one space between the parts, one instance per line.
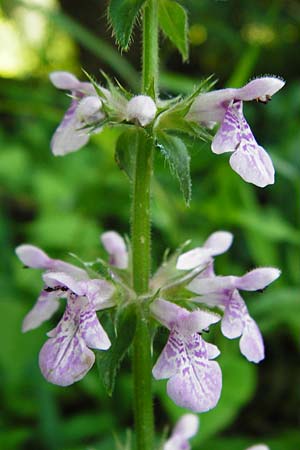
x=63 y=204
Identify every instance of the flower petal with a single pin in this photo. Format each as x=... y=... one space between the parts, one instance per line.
x=167 y=313
x=170 y=360
x=197 y=321
x=115 y=246
x=211 y=106
x=235 y=315
x=46 y=305
x=34 y=257
x=253 y=164
x=194 y=258
x=251 y=342
x=69 y=136
x=92 y=331
x=219 y=242
x=197 y=385
x=260 y=88
x=228 y=137
x=257 y=279
x=64 y=80
x=187 y=426
x=58 y=279
x=99 y=293
x=65 y=359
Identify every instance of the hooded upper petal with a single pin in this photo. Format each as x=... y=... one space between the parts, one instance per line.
x=32 y=256
x=260 y=88
x=64 y=80
x=257 y=279
x=219 y=242
x=115 y=246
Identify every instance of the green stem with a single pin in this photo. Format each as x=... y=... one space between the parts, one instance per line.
x=141 y=260
x=150 y=48
x=141 y=241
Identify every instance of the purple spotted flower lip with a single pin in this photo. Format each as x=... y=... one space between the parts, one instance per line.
x=66 y=357
x=225 y=106
x=186 y=427
x=195 y=381
x=224 y=292
x=85 y=110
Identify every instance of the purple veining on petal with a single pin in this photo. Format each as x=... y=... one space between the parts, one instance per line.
x=65 y=357
x=194 y=381
x=198 y=381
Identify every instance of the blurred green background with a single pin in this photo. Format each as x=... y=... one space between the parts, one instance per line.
x=63 y=204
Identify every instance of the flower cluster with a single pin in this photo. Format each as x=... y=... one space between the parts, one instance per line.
x=92 y=106
x=186 y=428
x=187 y=360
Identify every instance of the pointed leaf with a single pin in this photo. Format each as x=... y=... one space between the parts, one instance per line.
x=174 y=23
x=122 y=15
x=176 y=153
x=108 y=362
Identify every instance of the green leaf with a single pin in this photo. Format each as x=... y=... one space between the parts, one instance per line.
x=122 y=16
x=176 y=153
x=174 y=23
x=108 y=362
x=126 y=148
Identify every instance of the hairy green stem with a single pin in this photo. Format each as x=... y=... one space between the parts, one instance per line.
x=141 y=260
x=150 y=48
x=141 y=241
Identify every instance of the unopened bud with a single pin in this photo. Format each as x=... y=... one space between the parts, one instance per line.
x=141 y=108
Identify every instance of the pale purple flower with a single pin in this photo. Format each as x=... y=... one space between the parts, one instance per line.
x=142 y=109
x=195 y=381
x=115 y=246
x=217 y=243
x=66 y=357
x=186 y=427
x=47 y=303
x=85 y=110
x=225 y=106
x=224 y=293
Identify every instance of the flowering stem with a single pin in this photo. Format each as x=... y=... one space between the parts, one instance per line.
x=142 y=361
x=150 y=48
x=141 y=241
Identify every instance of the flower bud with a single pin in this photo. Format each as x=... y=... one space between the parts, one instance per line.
x=141 y=108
